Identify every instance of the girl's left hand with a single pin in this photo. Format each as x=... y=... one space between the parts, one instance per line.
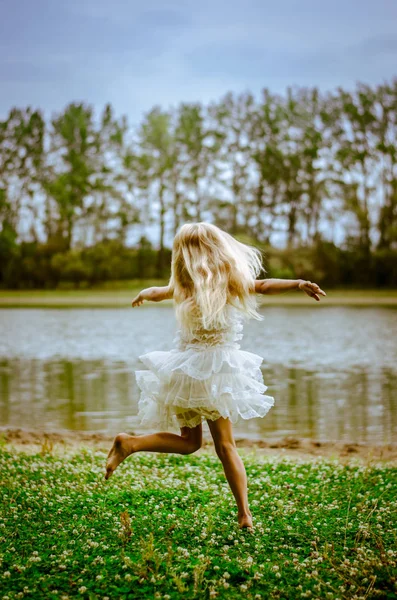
x=311 y=289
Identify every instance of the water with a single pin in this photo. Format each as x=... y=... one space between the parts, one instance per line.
x=332 y=371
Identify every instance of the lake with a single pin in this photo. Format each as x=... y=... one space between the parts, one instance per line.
x=331 y=370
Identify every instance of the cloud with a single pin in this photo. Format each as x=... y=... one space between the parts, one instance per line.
x=377 y=45
x=163 y=52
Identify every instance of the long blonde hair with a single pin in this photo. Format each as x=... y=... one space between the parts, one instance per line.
x=210 y=269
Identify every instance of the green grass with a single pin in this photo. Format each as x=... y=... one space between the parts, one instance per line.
x=121 y=298
x=164 y=526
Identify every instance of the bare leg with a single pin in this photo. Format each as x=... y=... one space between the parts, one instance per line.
x=123 y=445
x=225 y=446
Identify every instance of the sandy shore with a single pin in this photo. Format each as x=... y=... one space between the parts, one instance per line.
x=58 y=442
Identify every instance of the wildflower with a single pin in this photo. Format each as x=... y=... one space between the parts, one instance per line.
x=82 y=589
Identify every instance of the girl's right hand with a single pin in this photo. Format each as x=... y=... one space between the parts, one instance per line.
x=138 y=300
x=153 y=294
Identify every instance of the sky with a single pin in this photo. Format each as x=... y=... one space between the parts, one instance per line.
x=138 y=54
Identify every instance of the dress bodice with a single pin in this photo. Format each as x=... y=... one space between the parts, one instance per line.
x=198 y=337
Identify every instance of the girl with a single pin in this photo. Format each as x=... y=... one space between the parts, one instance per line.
x=213 y=284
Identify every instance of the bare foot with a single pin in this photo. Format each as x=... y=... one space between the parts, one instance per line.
x=118 y=452
x=245 y=520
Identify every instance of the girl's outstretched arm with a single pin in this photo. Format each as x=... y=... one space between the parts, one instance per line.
x=154 y=294
x=279 y=286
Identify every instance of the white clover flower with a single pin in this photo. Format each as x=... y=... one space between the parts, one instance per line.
x=82 y=589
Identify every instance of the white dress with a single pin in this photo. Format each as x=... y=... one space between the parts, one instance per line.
x=206 y=376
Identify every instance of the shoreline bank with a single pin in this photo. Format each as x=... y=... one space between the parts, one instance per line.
x=122 y=299
x=35 y=441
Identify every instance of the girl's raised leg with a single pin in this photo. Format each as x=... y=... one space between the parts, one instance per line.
x=188 y=442
x=225 y=446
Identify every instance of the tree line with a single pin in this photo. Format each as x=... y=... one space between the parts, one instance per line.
x=308 y=176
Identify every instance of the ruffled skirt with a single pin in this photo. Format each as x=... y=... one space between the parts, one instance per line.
x=180 y=388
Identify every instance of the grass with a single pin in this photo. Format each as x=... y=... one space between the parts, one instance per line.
x=164 y=526
x=121 y=298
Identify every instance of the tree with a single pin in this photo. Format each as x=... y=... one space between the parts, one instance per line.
x=385 y=130
x=267 y=124
x=111 y=206
x=312 y=150
x=197 y=148
x=72 y=171
x=157 y=154
x=21 y=164
x=232 y=120
x=355 y=158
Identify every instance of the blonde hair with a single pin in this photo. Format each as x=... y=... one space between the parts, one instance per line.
x=210 y=269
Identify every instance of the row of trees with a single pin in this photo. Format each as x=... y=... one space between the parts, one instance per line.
x=302 y=170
